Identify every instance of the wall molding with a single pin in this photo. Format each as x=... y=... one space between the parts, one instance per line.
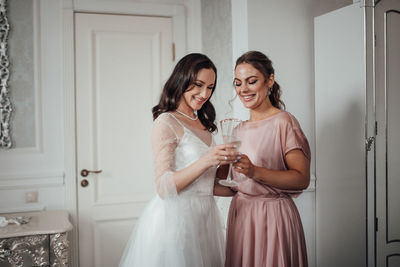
x=125 y=7
x=38 y=147
x=240 y=44
x=23 y=208
x=37 y=69
x=46 y=151
x=240 y=35
x=29 y=180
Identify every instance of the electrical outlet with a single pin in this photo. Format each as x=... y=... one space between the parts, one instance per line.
x=31 y=197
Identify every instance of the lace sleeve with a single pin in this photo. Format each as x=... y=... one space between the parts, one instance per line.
x=164 y=141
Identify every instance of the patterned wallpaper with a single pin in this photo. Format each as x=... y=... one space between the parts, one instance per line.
x=21 y=83
x=217 y=44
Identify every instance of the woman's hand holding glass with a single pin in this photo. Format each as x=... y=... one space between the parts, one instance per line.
x=244 y=166
x=221 y=155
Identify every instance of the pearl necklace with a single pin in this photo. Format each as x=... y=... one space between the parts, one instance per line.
x=187 y=116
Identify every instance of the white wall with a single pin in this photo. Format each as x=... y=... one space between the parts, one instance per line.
x=340 y=133
x=285 y=35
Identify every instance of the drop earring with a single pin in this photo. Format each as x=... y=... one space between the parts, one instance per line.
x=269 y=91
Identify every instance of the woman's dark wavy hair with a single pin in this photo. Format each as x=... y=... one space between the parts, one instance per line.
x=182 y=79
x=264 y=65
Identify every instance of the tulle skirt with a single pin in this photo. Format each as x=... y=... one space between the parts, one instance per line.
x=177 y=232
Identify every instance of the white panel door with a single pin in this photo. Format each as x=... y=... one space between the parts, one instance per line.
x=340 y=97
x=387 y=30
x=121 y=64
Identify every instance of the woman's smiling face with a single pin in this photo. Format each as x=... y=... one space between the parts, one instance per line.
x=200 y=91
x=251 y=86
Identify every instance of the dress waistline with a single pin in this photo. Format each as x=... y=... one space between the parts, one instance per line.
x=272 y=197
x=195 y=195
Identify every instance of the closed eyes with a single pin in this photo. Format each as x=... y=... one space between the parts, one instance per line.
x=236 y=83
x=253 y=81
x=201 y=85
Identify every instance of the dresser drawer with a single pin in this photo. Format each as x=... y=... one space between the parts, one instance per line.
x=41 y=242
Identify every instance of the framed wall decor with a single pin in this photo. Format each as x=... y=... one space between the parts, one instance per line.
x=5 y=103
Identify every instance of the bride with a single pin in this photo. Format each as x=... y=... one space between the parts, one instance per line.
x=181 y=226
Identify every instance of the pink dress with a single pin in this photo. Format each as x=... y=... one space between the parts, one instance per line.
x=264 y=226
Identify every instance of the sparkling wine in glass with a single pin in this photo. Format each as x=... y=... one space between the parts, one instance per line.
x=229 y=131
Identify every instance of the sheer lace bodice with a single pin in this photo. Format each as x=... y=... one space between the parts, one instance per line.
x=175 y=147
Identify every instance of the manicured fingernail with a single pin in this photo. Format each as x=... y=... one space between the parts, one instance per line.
x=239 y=157
x=234 y=146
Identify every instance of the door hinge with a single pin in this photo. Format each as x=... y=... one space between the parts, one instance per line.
x=375 y=40
x=173 y=51
x=376 y=224
x=376 y=128
x=368 y=143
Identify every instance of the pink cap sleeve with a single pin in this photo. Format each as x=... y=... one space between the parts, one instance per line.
x=293 y=137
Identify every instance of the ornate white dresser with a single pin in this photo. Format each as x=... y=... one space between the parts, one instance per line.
x=42 y=241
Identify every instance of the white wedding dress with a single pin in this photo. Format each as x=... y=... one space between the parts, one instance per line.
x=178 y=229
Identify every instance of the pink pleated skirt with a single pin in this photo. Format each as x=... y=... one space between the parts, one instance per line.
x=264 y=232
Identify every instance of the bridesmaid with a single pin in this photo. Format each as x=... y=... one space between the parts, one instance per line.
x=264 y=226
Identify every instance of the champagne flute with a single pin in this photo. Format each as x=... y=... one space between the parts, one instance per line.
x=229 y=129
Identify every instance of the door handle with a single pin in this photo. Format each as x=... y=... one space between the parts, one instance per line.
x=85 y=172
